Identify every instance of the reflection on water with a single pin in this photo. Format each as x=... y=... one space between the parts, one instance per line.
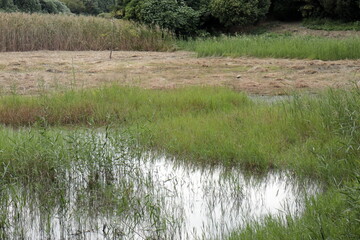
x=212 y=201
x=130 y=196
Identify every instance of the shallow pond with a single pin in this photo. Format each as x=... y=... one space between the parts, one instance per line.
x=118 y=194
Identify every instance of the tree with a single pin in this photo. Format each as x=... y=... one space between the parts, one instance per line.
x=28 y=5
x=53 y=6
x=170 y=14
x=7 y=5
x=75 y=6
x=239 y=12
x=341 y=9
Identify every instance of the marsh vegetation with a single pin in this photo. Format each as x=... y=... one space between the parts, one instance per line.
x=73 y=181
x=124 y=162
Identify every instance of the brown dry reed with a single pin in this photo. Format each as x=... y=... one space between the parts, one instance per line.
x=30 y=32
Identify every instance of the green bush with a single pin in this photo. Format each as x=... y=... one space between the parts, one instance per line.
x=92 y=7
x=28 y=5
x=105 y=5
x=207 y=20
x=171 y=15
x=133 y=10
x=7 y=5
x=53 y=6
x=75 y=6
x=239 y=12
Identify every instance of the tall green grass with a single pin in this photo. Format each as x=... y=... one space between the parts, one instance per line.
x=30 y=32
x=212 y=125
x=276 y=46
x=115 y=105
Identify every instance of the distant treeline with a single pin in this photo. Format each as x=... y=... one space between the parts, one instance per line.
x=88 y=7
x=190 y=17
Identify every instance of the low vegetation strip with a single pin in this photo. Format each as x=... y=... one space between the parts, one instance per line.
x=277 y=46
x=211 y=125
x=331 y=25
x=30 y=32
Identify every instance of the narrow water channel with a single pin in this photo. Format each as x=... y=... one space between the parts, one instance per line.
x=149 y=196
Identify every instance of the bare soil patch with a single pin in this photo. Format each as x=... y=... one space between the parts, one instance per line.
x=35 y=72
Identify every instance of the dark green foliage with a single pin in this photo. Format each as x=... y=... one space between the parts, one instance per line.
x=53 y=6
x=105 y=5
x=28 y=5
x=47 y=6
x=286 y=9
x=311 y=8
x=75 y=6
x=341 y=9
x=92 y=7
x=132 y=10
x=263 y=8
x=182 y=17
x=169 y=14
x=345 y=10
x=7 y=5
x=198 y=5
x=239 y=12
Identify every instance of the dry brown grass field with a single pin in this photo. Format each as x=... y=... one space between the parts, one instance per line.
x=33 y=72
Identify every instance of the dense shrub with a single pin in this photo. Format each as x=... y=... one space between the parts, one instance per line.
x=28 y=5
x=31 y=6
x=53 y=6
x=347 y=10
x=239 y=12
x=92 y=7
x=341 y=9
x=133 y=10
x=170 y=14
x=203 y=9
x=105 y=5
x=7 y=5
x=75 y=6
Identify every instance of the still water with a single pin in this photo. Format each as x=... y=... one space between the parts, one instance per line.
x=149 y=196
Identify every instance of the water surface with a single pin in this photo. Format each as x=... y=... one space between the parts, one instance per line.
x=115 y=193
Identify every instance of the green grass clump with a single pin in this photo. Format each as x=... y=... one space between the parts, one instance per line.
x=331 y=25
x=211 y=125
x=115 y=105
x=276 y=46
x=30 y=32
